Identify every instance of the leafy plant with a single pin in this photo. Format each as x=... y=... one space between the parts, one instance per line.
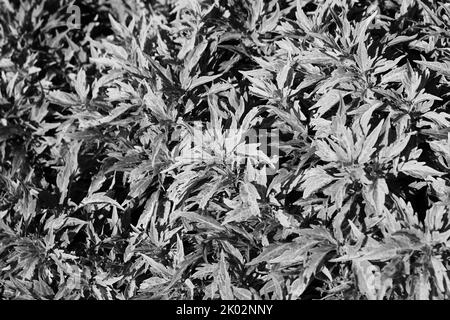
x=225 y=150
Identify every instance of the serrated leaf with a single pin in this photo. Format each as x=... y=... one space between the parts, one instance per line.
x=418 y=170
x=369 y=143
x=100 y=198
x=207 y=221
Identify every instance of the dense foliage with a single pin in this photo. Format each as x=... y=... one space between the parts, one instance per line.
x=103 y=195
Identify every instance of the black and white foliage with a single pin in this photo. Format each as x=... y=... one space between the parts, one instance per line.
x=224 y=149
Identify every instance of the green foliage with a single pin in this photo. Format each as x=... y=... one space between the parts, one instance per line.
x=103 y=195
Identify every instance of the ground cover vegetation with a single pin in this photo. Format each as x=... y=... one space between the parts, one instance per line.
x=103 y=195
